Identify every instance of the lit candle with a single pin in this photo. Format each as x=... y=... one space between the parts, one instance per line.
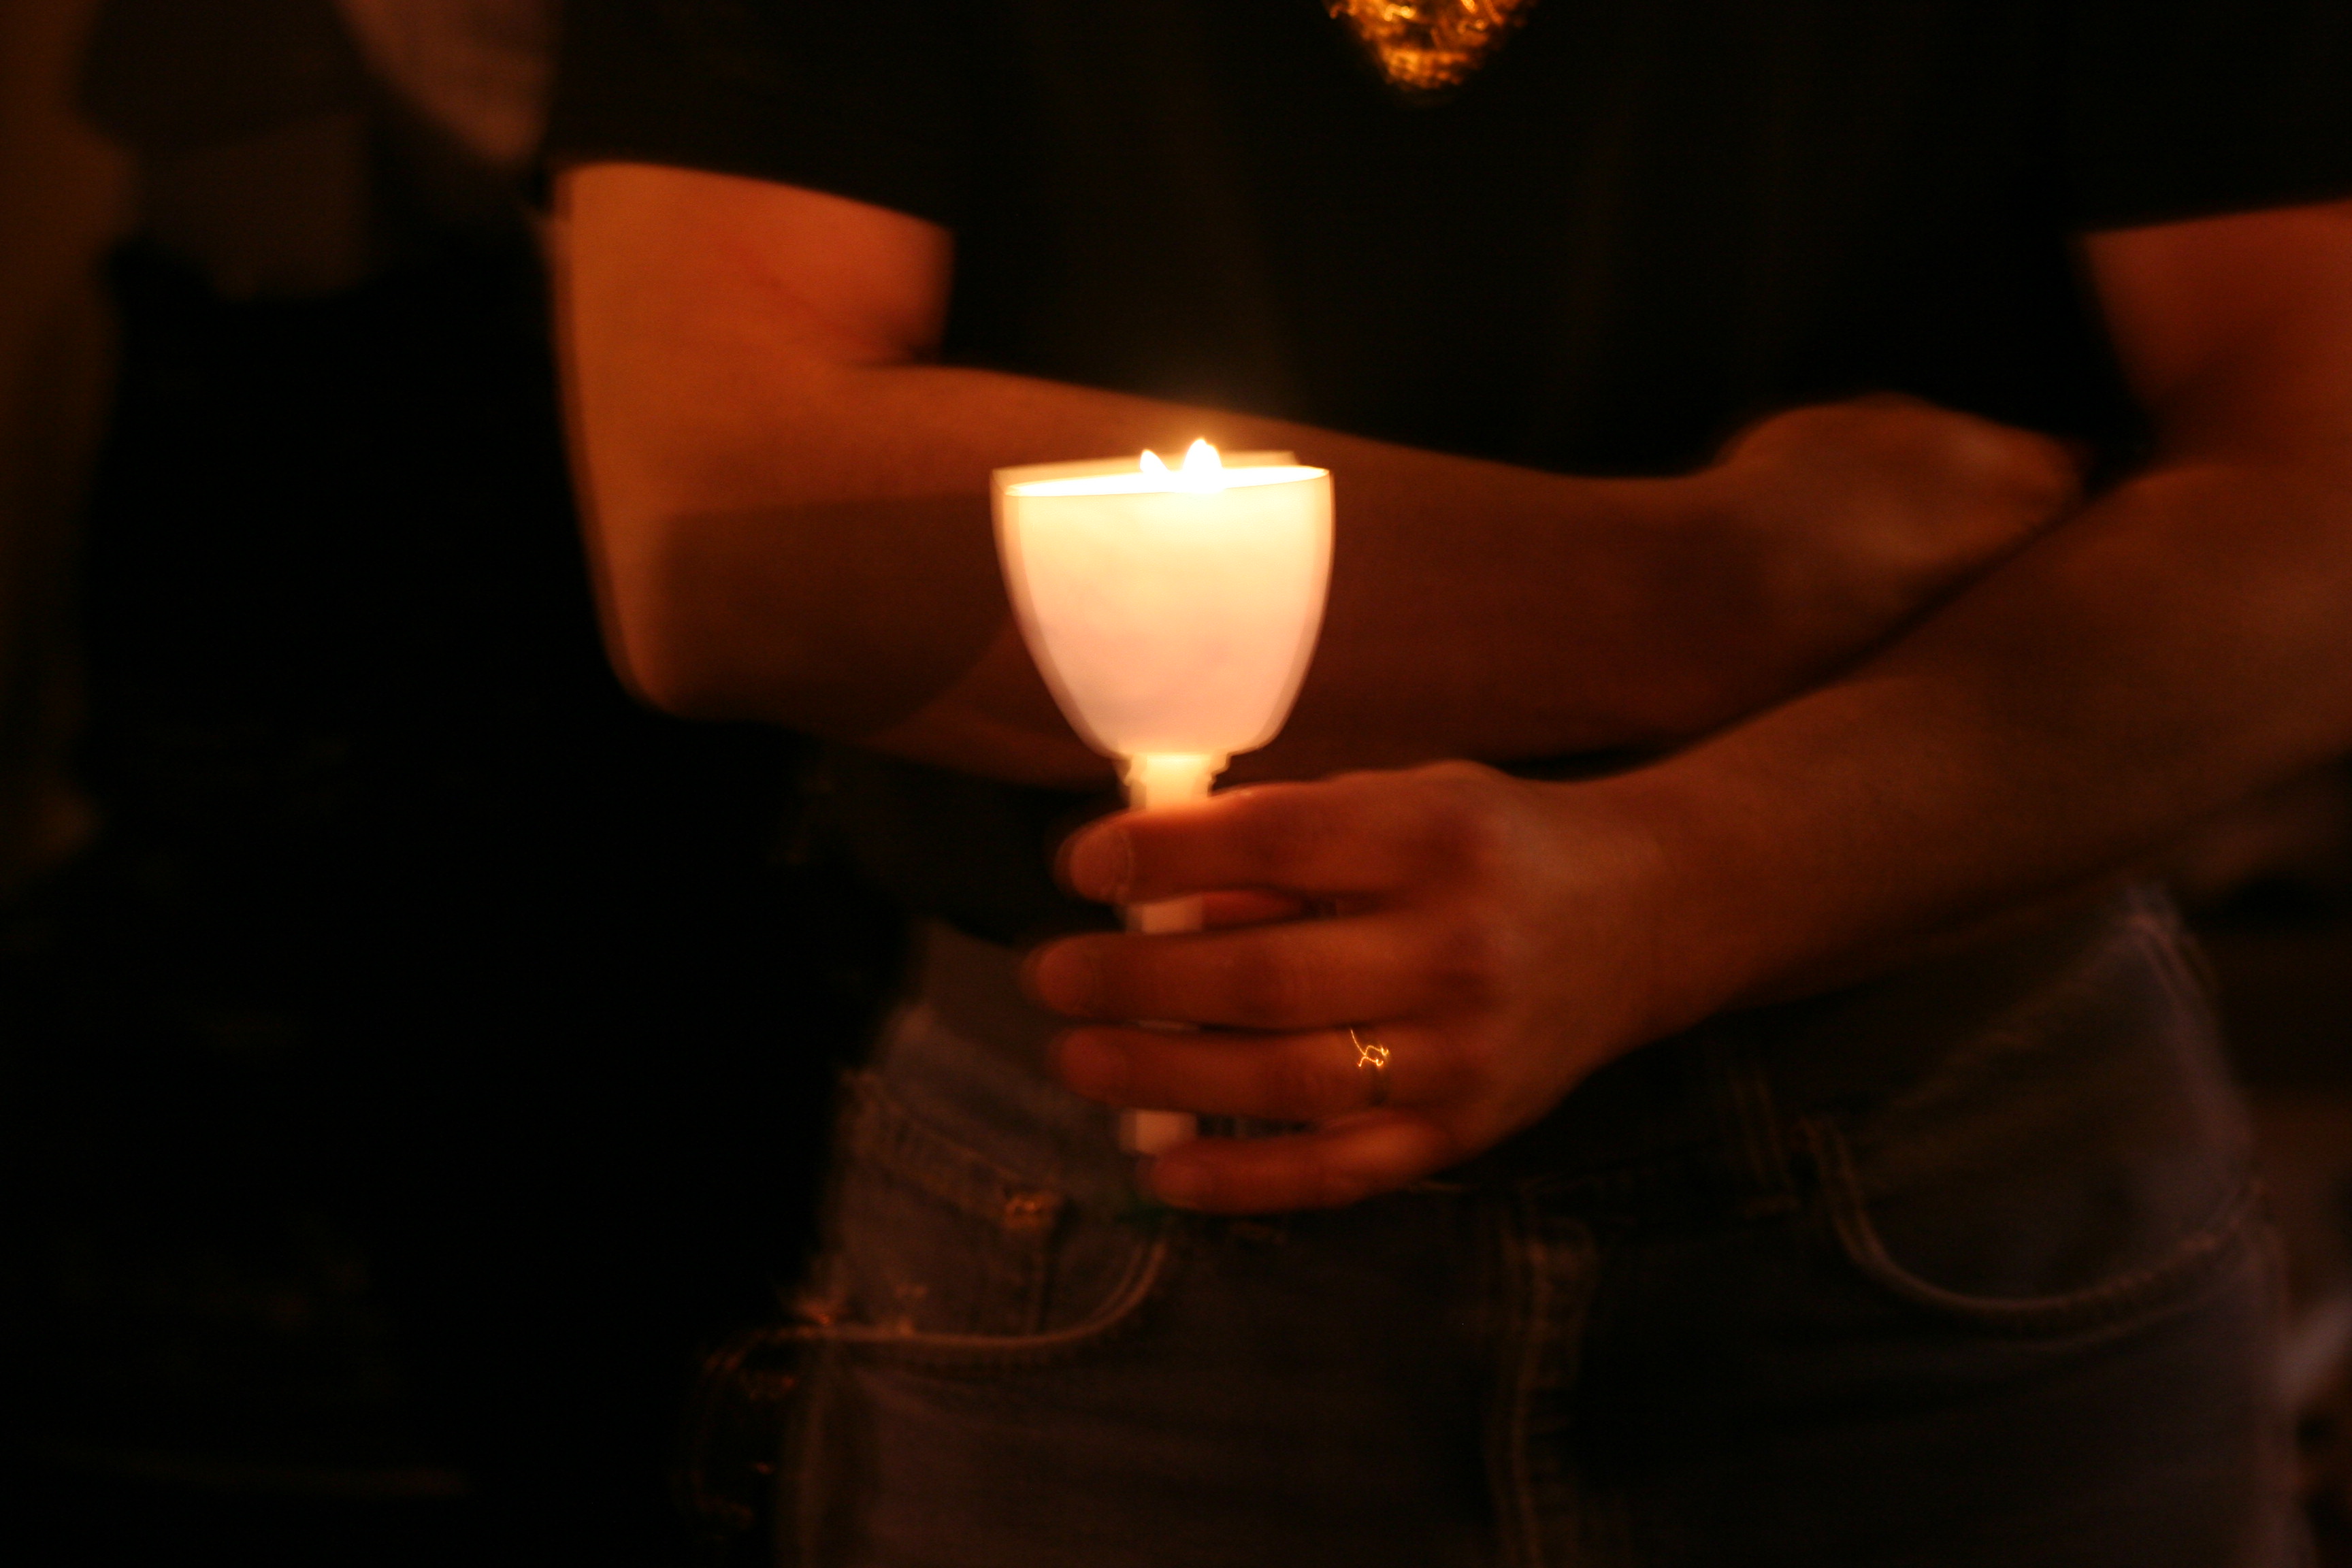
x=1172 y=612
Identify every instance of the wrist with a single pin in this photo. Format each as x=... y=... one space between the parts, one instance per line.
x=1696 y=873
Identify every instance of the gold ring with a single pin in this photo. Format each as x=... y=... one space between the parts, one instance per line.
x=1372 y=1061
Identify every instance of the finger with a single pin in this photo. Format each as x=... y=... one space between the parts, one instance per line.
x=1297 y=974
x=1309 y=1077
x=1248 y=907
x=1361 y=1157
x=1361 y=832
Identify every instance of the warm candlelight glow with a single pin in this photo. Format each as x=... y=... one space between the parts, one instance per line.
x=1172 y=611
x=1173 y=615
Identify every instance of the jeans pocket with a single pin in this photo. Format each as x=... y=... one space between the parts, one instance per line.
x=2067 y=1270
x=937 y=1253
x=2081 y=1161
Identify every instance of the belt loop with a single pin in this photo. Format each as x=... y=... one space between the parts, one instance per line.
x=1764 y=1168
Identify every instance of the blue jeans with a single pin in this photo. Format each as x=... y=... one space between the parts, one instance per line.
x=1962 y=1268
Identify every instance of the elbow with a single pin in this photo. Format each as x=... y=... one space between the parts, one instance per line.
x=654 y=652
x=834 y=618
x=667 y=645
x=661 y=667
x=702 y=621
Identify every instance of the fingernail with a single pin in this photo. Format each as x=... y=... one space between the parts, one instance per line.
x=1184 y=1186
x=1102 y=864
x=1057 y=976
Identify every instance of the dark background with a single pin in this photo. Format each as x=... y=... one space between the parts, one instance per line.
x=415 y=1055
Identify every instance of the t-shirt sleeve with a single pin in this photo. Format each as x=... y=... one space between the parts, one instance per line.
x=2183 y=108
x=858 y=98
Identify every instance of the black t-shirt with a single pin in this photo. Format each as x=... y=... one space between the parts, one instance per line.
x=1642 y=223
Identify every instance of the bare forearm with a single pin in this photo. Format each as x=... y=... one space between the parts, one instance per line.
x=2178 y=646
x=860 y=609
x=1476 y=609
x=789 y=510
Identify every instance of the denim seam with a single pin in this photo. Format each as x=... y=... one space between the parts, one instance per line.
x=1515 y=1503
x=2175 y=960
x=1550 y=1292
x=883 y=1128
x=2175 y=1273
x=2017 y=1025
x=1762 y=1140
x=1147 y=1271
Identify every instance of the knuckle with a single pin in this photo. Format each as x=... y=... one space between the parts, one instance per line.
x=1471 y=963
x=1471 y=831
x=1458 y=771
x=1287 y=831
x=2042 y=472
x=1944 y=439
x=1300 y=1082
x=1804 y=424
x=2007 y=467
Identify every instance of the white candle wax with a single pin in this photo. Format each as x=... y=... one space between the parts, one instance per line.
x=1173 y=615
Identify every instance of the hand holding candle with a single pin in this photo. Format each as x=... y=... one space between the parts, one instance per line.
x=1173 y=614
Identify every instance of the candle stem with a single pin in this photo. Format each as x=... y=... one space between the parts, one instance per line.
x=1168 y=779
x=1153 y=782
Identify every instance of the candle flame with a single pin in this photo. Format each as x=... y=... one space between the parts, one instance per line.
x=1202 y=470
